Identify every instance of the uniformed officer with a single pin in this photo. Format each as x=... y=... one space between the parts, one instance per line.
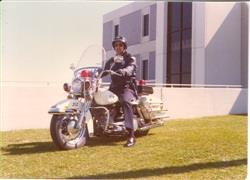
x=124 y=86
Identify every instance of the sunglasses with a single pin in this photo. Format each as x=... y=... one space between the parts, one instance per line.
x=119 y=44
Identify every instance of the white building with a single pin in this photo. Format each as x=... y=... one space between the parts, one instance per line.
x=184 y=42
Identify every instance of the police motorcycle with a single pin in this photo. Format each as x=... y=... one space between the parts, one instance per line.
x=90 y=109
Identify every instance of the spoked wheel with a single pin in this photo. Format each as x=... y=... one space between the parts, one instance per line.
x=65 y=133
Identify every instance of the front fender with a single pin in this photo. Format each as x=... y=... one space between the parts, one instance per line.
x=59 y=107
x=64 y=106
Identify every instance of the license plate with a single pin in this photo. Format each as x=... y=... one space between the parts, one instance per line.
x=74 y=104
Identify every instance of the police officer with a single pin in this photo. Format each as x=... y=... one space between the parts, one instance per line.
x=124 y=86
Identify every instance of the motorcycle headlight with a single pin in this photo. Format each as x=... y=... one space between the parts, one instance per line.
x=77 y=86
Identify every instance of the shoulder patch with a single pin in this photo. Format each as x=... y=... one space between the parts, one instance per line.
x=132 y=57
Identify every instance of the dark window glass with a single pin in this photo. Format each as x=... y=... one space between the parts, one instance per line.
x=187 y=15
x=186 y=51
x=145 y=25
x=175 y=16
x=186 y=60
x=116 y=30
x=179 y=42
x=186 y=38
x=175 y=79
x=175 y=65
x=175 y=41
x=186 y=78
x=145 y=69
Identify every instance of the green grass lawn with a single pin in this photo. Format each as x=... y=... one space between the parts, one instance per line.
x=202 y=148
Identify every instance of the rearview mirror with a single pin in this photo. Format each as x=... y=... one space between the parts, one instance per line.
x=72 y=67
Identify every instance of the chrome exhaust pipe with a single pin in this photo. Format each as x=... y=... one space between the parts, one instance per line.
x=150 y=126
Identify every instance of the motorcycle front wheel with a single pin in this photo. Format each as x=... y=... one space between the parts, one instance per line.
x=65 y=134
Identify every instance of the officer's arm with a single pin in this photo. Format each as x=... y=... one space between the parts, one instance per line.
x=130 y=69
x=107 y=67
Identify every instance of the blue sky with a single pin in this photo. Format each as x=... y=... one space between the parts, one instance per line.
x=40 y=39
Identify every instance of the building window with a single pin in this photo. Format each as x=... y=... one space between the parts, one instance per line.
x=179 y=42
x=116 y=30
x=145 y=25
x=145 y=69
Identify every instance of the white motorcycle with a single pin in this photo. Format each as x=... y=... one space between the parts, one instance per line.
x=92 y=110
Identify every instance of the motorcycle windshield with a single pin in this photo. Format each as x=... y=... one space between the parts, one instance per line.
x=92 y=56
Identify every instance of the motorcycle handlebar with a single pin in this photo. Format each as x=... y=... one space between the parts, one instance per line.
x=110 y=72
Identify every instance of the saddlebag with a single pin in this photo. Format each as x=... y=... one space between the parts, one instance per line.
x=150 y=107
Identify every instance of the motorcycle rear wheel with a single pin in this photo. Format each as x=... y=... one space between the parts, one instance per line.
x=60 y=135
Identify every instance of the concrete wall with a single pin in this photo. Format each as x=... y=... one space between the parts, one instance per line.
x=244 y=43
x=198 y=43
x=151 y=65
x=161 y=45
x=107 y=35
x=132 y=7
x=130 y=27
x=219 y=43
x=223 y=43
x=24 y=107
x=152 y=22
x=138 y=65
x=198 y=102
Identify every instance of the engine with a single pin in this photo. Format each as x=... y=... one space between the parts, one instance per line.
x=106 y=117
x=100 y=117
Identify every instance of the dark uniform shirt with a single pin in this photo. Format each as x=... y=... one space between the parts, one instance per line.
x=127 y=67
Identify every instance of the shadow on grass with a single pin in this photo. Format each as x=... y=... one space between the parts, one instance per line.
x=109 y=141
x=44 y=147
x=29 y=148
x=142 y=173
x=105 y=141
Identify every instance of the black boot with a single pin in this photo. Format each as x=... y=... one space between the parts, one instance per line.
x=131 y=138
x=131 y=142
